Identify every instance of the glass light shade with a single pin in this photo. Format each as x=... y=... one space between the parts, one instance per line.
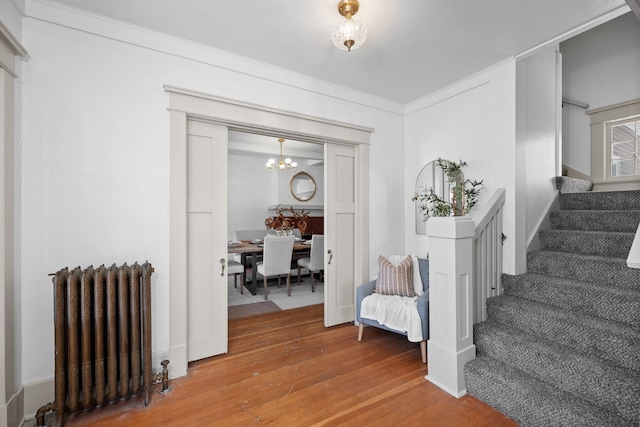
x=349 y=29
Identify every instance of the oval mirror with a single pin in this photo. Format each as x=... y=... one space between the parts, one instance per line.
x=302 y=186
x=431 y=176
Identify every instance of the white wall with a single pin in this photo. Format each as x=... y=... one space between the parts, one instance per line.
x=96 y=147
x=251 y=190
x=600 y=68
x=472 y=121
x=536 y=151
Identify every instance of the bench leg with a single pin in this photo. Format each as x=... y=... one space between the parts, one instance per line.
x=423 y=350
x=360 y=329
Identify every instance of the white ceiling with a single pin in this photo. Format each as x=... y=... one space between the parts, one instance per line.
x=414 y=47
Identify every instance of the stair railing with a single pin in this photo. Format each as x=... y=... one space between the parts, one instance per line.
x=487 y=254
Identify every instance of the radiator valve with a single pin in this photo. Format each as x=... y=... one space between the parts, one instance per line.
x=163 y=377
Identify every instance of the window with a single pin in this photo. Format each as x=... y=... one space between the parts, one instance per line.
x=624 y=141
x=615 y=146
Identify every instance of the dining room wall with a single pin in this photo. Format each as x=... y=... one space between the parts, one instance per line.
x=253 y=191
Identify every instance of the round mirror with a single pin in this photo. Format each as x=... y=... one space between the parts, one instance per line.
x=303 y=186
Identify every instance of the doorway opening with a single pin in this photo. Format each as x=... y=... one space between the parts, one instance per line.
x=199 y=131
x=254 y=194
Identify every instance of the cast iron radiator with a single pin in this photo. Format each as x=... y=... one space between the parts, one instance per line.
x=102 y=320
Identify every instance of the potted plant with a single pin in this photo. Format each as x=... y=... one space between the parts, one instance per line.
x=463 y=194
x=285 y=224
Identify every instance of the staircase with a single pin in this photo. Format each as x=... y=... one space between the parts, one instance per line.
x=561 y=346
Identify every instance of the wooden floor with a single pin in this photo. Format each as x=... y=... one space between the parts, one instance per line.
x=286 y=369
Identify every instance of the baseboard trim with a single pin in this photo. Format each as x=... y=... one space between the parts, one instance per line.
x=11 y=413
x=544 y=222
x=36 y=395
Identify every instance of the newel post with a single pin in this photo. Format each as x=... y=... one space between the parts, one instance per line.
x=450 y=343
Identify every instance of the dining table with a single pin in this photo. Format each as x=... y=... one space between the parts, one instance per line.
x=252 y=249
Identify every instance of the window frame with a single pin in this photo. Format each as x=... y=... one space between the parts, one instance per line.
x=602 y=119
x=609 y=125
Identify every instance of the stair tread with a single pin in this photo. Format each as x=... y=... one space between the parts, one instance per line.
x=606 y=243
x=590 y=268
x=591 y=378
x=608 y=200
x=529 y=401
x=605 y=339
x=596 y=220
x=590 y=298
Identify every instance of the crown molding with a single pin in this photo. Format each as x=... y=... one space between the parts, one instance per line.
x=12 y=42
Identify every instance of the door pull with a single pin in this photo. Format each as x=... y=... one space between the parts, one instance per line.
x=222 y=262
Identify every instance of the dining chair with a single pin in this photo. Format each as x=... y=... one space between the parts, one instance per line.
x=294 y=231
x=315 y=261
x=236 y=268
x=276 y=260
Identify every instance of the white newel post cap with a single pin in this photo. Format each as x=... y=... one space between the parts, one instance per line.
x=454 y=227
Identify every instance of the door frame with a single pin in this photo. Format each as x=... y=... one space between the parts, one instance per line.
x=187 y=105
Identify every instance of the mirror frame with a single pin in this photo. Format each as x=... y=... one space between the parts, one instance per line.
x=298 y=175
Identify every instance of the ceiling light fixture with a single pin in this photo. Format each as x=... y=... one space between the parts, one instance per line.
x=349 y=33
x=282 y=165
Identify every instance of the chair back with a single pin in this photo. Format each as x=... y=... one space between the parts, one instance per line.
x=295 y=231
x=277 y=255
x=249 y=234
x=317 y=253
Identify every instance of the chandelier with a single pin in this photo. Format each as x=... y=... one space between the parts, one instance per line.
x=281 y=165
x=349 y=33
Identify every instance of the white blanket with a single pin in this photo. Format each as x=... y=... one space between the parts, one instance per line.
x=395 y=312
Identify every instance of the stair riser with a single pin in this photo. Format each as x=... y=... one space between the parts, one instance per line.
x=614 y=200
x=605 y=340
x=623 y=221
x=589 y=299
x=605 y=271
x=585 y=377
x=587 y=242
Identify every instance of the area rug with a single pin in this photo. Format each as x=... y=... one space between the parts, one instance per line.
x=252 y=309
x=301 y=296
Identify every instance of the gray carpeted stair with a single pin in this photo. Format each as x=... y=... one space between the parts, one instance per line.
x=624 y=221
x=606 y=302
x=588 y=268
x=561 y=346
x=519 y=395
x=603 y=243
